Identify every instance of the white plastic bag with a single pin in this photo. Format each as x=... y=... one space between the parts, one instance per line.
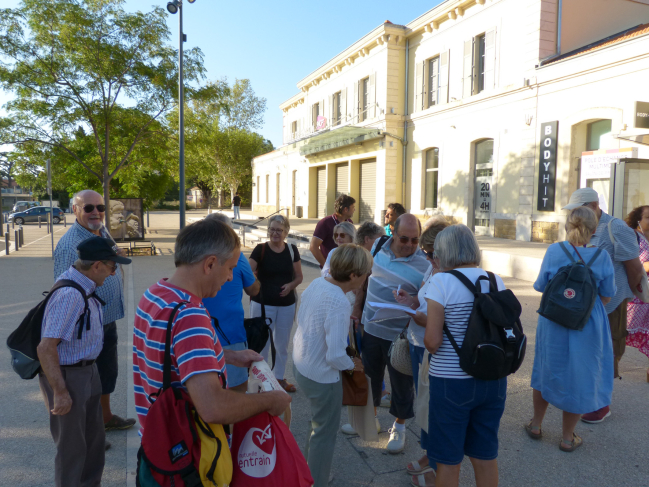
x=361 y=418
x=262 y=379
x=423 y=394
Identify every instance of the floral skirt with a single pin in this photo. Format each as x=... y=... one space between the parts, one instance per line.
x=638 y=326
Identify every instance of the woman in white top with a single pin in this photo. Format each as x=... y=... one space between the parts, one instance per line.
x=464 y=412
x=319 y=351
x=417 y=328
x=344 y=233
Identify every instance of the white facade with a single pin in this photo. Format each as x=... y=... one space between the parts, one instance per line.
x=479 y=74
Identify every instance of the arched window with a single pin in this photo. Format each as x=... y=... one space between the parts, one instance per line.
x=431 y=178
x=596 y=132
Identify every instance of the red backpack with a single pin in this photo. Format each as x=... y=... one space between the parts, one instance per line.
x=265 y=454
x=170 y=454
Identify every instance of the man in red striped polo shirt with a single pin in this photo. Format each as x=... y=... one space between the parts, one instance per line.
x=205 y=254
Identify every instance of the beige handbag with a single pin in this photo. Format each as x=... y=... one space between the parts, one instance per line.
x=399 y=353
x=423 y=393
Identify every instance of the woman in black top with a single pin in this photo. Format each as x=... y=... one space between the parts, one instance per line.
x=279 y=271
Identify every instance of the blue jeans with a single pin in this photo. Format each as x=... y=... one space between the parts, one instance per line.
x=464 y=418
x=417 y=356
x=237 y=214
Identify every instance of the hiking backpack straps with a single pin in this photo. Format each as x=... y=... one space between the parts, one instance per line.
x=569 y=297
x=24 y=340
x=382 y=240
x=494 y=343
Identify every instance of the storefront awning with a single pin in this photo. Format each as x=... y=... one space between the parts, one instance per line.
x=638 y=139
x=338 y=137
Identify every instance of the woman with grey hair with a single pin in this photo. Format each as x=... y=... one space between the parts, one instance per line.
x=367 y=233
x=344 y=233
x=464 y=412
x=278 y=268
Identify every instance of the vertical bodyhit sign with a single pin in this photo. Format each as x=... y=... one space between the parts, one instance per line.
x=547 y=166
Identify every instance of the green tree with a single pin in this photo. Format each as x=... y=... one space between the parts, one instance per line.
x=92 y=82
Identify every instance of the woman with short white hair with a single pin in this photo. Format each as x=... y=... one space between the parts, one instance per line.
x=319 y=351
x=344 y=233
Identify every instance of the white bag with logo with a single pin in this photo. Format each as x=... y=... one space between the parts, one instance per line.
x=423 y=394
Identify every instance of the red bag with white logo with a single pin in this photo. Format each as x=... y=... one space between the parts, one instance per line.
x=265 y=454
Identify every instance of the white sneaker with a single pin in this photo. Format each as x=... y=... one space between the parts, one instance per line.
x=347 y=429
x=385 y=400
x=397 y=441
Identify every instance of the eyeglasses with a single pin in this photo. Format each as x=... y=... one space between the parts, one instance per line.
x=276 y=230
x=430 y=255
x=89 y=208
x=112 y=267
x=405 y=240
x=341 y=235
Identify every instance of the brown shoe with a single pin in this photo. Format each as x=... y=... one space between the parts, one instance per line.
x=288 y=387
x=117 y=423
x=574 y=444
x=530 y=432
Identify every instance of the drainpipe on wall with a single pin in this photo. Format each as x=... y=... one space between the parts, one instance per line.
x=559 y=5
x=405 y=134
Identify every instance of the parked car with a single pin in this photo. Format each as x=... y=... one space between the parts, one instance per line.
x=24 y=205
x=32 y=215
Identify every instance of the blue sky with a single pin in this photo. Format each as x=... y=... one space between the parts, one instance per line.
x=276 y=43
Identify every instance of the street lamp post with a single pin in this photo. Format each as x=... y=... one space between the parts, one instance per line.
x=175 y=6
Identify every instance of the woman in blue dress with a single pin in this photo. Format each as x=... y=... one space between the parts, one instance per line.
x=573 y=370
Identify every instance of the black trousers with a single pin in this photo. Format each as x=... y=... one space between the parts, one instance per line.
x=375 y=358
x=107 y=360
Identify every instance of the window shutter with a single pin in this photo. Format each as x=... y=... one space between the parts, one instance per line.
x=467 y=79
x=285 y=130
x=357 y=102
x=343 y=105
x=490 y=60
x=298 y=125
x=371 y=113
x=444 y=65
x=419 y=80
x=312 y=116
x=424 y=85
x=322 y=109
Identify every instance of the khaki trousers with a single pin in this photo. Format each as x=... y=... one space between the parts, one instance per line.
x=79 y=436
x=617 y=322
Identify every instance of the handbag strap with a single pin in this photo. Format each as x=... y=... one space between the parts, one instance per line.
x=166 y=367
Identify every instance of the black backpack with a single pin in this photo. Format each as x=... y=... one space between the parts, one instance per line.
x=24 y=340
x=569 y=297
x=494 y=343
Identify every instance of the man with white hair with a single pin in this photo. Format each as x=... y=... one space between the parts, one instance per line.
x=89 y=209
x=614 y=236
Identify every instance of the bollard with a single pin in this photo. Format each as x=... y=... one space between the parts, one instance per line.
x=6 y=243
x=16 y=241
x=47 y=224
x=147 y=219
x=13 y=224
x=39 y=222
x=65 y=221
x=21 y=235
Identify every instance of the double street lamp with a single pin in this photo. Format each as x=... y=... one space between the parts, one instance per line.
x=174 y=7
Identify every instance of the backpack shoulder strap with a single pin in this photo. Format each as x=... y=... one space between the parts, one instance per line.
x=599 y=251
x=263 y=251
x=464 y=280
x=565 y=249
x=382 y=241
x=166 y=367
x=86 y=310
x=493 y=284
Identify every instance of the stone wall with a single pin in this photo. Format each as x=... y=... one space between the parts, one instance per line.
x=545 y=232
x=505 y=229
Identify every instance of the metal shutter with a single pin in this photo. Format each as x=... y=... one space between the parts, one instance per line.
x=322 y=192
x=342 y=179
x=368 y=190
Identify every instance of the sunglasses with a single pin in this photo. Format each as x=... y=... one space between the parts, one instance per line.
x=89 y=208
x=405 y=240
x=341 y=235
x=430 y=255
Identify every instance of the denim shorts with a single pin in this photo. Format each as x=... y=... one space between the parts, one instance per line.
x=463 y=418
x=236 y=375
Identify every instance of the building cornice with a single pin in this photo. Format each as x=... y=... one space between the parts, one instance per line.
x=448 y=11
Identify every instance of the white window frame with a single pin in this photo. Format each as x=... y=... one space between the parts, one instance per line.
x=425 y=171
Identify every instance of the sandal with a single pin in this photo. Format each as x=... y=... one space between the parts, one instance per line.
x=417 y=469
x=535 y=436
x=288 y=387
x=574 y=444
x=421 y=481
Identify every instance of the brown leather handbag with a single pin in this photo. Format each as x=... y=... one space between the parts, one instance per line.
x=355 y=386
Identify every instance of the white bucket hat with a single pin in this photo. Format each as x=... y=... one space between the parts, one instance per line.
x=581 y=197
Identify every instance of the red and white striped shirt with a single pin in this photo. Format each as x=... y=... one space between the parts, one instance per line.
x=195 y=348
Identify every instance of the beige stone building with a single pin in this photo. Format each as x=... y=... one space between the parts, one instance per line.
x=491 y=112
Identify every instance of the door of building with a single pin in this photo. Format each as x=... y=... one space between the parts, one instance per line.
x=367 y=190
x=277 y=193
x=322 y=192
x=484 y=152
x=293 y=191
x=342 y=179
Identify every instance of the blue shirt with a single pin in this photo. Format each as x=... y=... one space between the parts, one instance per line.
x=226 y=305
x=61 y=317
x=112 y=292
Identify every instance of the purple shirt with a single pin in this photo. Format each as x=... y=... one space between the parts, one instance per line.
x=324 y=230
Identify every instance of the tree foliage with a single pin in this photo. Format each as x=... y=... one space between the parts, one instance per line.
x=91 y=84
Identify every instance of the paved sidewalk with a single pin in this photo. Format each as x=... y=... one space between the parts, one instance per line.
x=614 y=452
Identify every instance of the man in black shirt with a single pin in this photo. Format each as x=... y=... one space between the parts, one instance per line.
x=236 y=205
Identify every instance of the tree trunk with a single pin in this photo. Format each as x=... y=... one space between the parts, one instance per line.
x=106 y=184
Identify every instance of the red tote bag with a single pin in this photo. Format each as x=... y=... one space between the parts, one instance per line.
x=265 y=454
